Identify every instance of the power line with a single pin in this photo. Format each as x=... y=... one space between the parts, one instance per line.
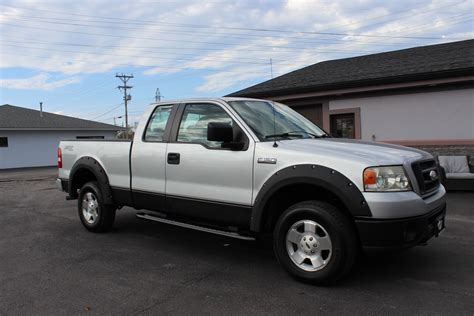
x=114 y=108
x=110 y=35
x=123 y=64
x=412 y=14
x=422 y=27
x=150 y=38
x=141 y=64
x=233 y=28
x=177 y=55
x=95 y=53
x=240 y=35
x=133 y=56
x=140 y=48
x=292 y=48
x=296 y=39
x=174 y=40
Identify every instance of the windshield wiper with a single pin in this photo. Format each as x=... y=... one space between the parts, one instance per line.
x=287 y=134
x=295 y=134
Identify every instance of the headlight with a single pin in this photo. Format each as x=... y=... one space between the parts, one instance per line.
x=390 y=178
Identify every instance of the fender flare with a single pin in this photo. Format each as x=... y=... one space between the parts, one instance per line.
x=321 y=176
x=98 y=171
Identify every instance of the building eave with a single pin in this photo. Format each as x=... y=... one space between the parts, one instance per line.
x=361 y=84
x=369 y=88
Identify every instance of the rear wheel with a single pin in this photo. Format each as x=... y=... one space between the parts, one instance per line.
x=94 y=214
x=315 y=242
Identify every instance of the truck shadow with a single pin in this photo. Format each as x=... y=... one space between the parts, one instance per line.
x=420 y=263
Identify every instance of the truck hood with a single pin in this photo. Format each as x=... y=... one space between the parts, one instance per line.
x=371 y=153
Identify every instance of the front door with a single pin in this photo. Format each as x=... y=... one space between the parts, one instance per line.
x=203 y=179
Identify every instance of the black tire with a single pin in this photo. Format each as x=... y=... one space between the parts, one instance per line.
x=105 y=213
x=343 y=240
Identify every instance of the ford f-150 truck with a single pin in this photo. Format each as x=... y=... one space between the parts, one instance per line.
x=245 y=168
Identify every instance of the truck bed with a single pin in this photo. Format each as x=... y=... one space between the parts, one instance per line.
x=113 y=155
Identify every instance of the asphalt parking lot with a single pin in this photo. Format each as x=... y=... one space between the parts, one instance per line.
x=49 y=264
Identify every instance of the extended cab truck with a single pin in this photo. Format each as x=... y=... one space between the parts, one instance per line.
x=245 y=167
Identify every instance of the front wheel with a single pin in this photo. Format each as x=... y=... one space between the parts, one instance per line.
x=94 y=214
x=315 y=242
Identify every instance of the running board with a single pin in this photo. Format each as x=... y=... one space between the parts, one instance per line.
x=195 y=227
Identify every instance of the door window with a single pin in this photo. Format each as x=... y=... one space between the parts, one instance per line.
x=155 y=130
x=343 y=125
x=196 y=117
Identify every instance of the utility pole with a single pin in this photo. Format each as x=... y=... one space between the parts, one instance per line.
x=126 y=97
x=158 y=95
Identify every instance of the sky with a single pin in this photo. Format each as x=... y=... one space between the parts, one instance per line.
x=66 y=54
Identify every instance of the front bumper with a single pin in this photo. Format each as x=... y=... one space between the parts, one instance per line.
x=400 y=233
x=393 y=205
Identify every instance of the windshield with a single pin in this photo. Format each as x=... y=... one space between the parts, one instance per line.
x=289 y=124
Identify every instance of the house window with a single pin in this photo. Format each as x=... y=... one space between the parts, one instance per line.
x=343 y=125
x=3 y=141
x=89 y=137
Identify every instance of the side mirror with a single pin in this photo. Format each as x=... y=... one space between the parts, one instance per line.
x=220 y=132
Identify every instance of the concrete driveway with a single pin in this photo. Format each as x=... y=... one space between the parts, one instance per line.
x=49 y=264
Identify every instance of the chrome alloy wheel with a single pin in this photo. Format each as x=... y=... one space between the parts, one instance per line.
x=90 y=208
x=309 y=245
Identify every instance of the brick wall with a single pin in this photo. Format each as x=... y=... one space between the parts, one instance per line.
x=447 y=150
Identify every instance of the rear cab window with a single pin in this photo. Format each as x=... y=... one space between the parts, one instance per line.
x=156 y=127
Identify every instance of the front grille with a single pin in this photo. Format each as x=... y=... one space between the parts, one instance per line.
x=422 y=170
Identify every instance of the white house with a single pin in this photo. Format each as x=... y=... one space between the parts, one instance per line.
x=30 y=138
x=421 y=96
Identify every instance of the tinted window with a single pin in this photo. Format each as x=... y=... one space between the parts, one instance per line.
x=196 y=117
x=3 y=141
x=155 y=130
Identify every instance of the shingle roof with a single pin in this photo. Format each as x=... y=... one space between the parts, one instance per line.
x=15 y=117
x=424 y=62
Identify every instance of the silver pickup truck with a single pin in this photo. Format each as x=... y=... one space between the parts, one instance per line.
x=247 y=168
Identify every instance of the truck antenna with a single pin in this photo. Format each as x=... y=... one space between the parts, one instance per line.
x=274 y=126
x=273 y=107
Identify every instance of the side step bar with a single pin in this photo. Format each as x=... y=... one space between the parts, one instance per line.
x=195 y=227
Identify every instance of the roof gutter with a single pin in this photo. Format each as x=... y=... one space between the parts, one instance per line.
x=371 y=88
x=409 y=80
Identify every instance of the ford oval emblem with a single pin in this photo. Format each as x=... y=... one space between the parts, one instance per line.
x=433 y=175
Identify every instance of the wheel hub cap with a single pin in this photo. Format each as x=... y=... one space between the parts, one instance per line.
x=90 y=208
x=309 y=245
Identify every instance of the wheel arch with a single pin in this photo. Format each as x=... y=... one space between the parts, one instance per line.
x=89 y=169
x=305 y=182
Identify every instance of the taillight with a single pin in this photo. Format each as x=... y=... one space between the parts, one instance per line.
x=60 y=158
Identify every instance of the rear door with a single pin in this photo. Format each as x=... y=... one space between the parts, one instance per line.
x=148 y=159
x=204 y=180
